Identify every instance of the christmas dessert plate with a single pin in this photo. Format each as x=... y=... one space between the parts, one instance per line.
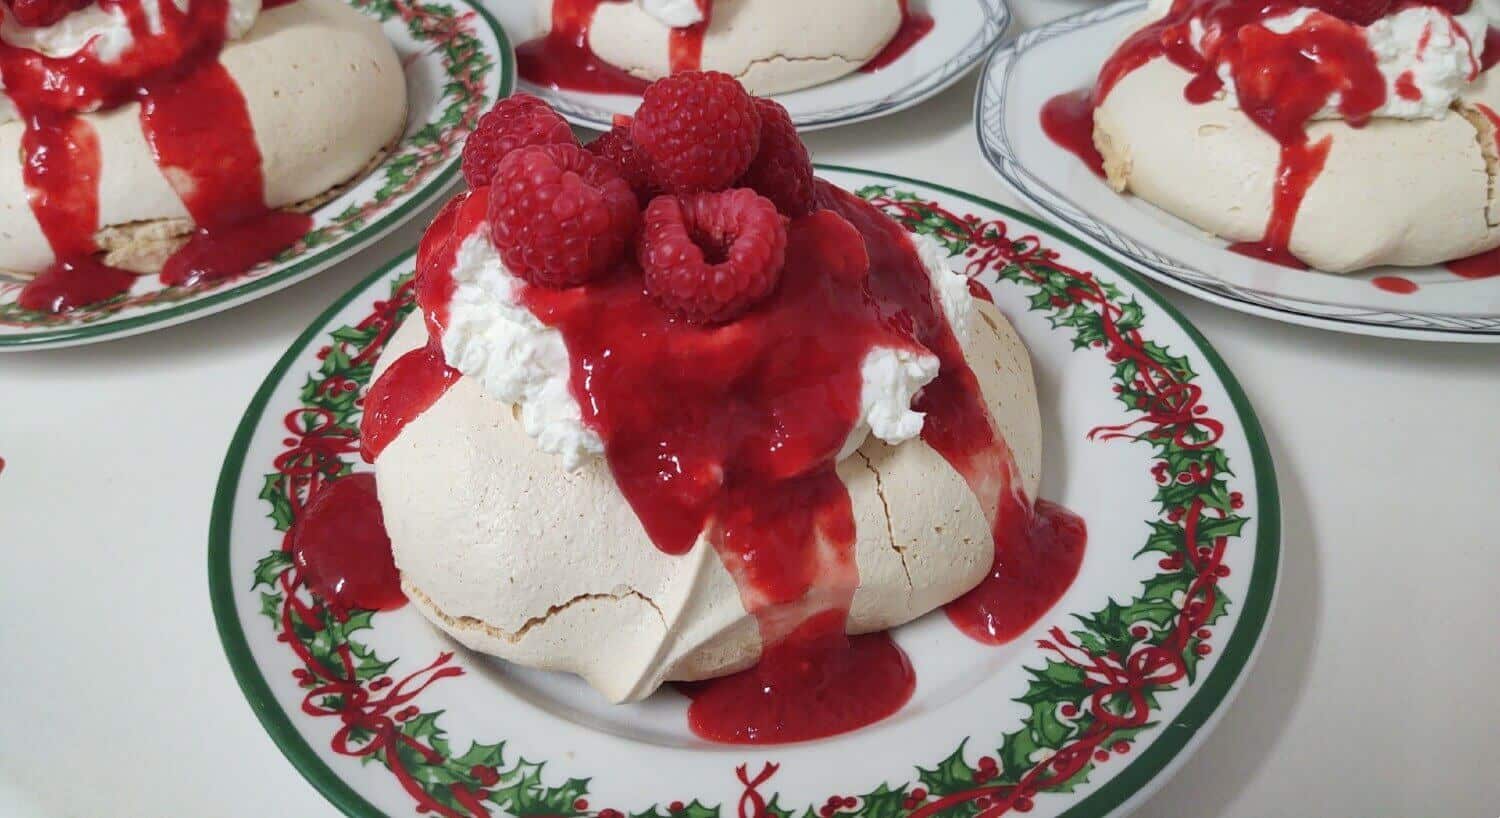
x=926 y=47
x=1353 y=210
x=456 y=63
x=1081 y=710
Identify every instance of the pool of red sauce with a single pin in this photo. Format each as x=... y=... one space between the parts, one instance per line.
x=196 y=122
x=340 y=546
x=733 y=431
x=1036 y=560
x=562 y=59
x=1068 y=120
x=1281 y=79
x=1483 y=265
x=914 y=27
x=1395 y=284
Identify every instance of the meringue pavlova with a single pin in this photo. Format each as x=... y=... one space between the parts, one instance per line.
x=674 y=409
x=771 y=46
x=178 y=137
x=1336 y=134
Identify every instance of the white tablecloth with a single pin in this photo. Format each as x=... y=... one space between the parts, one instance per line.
x=1370 y=698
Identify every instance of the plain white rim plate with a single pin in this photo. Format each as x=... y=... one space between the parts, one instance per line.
x=965 y=32
x=1065 y=56
x=1091 y=326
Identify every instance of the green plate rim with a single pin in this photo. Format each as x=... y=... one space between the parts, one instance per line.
x=324 y=259
x=1135 y=780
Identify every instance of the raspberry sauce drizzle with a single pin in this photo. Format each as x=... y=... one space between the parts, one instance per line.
x=1483 y=265
x=686 y=44
x=61 y=173
x=1395 y=284
x=1068 y=120
x=199 y=129
x=1491 y=49
x=1038 y=549
x=340 y=545
x=1281 y=80
x=420 y=377
x=562 y=59
x=914 y=27
x=731 y=433
x=197 y=124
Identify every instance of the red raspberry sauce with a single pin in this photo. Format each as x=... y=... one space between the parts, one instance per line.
x=1395 y=284
x=732 y=432
x=1036 y=560
x=420 y=377
x=1483 y=265
x=563 y=59
x=799 y=681
x=194 y=118
x=914 y=27
x=1068 y=120
x=340 y=546
x=1281 y=80
x=686 y=44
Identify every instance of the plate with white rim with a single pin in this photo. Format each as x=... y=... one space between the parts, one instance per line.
x=1147 y=435
x=1429 y=303
x=964 y=31
x=458 y=63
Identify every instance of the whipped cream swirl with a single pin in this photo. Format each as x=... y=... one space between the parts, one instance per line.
x=1426 y=55
x=673 y=13
x=492 y=337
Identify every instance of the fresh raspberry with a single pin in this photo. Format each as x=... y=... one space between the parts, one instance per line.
x=710 y=257
x=560 y=215
x=39 y=13
x=782 y=171
x=617 y=148
x=514 y=122
x=699 y=130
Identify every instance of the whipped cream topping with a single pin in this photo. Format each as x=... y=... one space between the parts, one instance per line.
x=1426 y=55
x=893 y=376
x=673 y=13
x=492 y=337
x=105 y=30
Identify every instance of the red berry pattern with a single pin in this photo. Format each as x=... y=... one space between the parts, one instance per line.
x=710 y=257
x=559 y=215
x=700 y=131
x=516 y=122
x=782 y=170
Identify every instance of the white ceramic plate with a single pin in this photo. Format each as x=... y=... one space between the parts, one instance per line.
x=1065 y=56
x=458 y=63
x=965 y=31
x=384 y=714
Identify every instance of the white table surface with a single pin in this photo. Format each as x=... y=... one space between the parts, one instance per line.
x=1370 y=697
